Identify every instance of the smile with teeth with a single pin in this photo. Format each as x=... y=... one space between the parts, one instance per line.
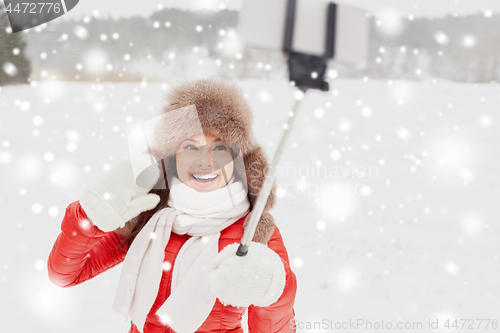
x=204 y=177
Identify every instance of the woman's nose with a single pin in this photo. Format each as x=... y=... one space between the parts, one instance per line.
x=204 y=158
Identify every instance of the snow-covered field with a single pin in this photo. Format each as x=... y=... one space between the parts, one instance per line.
x=416 y=239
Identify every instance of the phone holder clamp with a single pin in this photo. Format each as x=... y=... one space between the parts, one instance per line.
x=305 y=70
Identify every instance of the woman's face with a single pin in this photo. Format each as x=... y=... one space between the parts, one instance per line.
x=201 y=160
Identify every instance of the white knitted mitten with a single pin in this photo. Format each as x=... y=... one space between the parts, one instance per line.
x=117 y=199
x=257 y=278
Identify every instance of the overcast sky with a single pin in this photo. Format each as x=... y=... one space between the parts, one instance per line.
x=121 y=8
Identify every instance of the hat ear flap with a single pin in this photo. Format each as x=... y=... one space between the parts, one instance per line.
x=256 y=167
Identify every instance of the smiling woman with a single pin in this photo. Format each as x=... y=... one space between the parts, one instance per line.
x=177 y=242
x=204 y=163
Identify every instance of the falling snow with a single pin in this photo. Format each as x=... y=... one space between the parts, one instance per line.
x=387 y=197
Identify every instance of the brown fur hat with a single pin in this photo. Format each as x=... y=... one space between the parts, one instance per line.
x=222 y=111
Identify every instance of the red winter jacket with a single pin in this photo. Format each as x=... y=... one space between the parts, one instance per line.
x=83 y=251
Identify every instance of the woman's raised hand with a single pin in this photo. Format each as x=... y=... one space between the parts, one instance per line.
x=116 y=199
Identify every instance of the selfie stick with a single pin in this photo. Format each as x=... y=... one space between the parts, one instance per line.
x=305 y=71
x=268 y=183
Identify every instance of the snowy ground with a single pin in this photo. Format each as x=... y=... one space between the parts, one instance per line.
x=415 y=239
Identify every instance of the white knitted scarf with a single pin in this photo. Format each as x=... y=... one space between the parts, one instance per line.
x=201 y=215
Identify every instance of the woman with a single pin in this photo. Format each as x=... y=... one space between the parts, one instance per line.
x=177 y=238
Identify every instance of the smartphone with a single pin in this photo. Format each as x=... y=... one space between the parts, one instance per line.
x=262 y=25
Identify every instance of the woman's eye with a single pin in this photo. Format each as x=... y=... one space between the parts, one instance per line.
x=220 y=147
x=190 y=147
